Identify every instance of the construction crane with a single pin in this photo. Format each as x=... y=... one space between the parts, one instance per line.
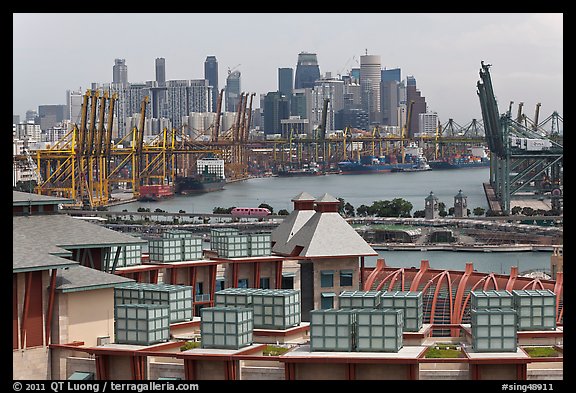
x=406 y=128
x=218 y=115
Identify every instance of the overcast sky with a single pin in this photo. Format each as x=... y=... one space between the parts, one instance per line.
x=56 y=52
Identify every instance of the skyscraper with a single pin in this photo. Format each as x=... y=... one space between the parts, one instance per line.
x=370 y=77
x=211 y=74
x=232 y=91
x=389 y=96
x=158 y=92
x=286 y=81
x=120 y=71
x=73 y=105
x=275 y=110
x=419 y=106
x=161 y=71
x=307 y=71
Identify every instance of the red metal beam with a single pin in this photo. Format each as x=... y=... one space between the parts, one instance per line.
x=189 y=369
x=558 y=287
x=350 y=371
x=192 y=281
x=460 y=294
x=27 y=289
x=234 y=275
x=173 y=275
x=424 y=266
x=380 y=265
x=50 y=306
x=256 y=275
x=278 y=271
x=212 y=283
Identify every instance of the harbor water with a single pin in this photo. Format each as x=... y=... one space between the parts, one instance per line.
x=355 y=189
x=365 y=189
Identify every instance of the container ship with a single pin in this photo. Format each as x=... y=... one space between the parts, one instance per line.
x=155 y=192
x=393 y=163
x=459 y=163
x=476 y=159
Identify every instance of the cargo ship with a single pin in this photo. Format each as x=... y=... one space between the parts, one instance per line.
x=209 y=177
x=360 y=167
x=307 y=170
x=459 y=163
x=155 y=192
x=476 y=159
x=421 y=166
x=198 y=184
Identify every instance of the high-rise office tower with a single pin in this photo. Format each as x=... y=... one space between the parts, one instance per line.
x=333 y=90
x=120 y=71
x=158 y=92
x=419 y=106
x=275 y=110
x=370 y=77
x=73 y=105
x=211 y=74
x=389 y=96
x=286 y=81
x=307 y=71
x=161 y=71
x=232 y=91
x=50 y=115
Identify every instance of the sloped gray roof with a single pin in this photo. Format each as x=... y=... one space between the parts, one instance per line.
x=40 y=241
x=326 y=235
x=25 y=198
x=327 y=198
x=64 y=231
x=27 y=256
x=82 y=278
x=303 y=196
x=290 y=225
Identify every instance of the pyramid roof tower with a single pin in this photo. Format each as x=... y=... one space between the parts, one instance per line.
x=303 y=211
x=325 y=234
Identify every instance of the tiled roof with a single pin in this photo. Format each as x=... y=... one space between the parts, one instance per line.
x=303 y=196
x=326 y=234
x=290 y=225
x=80 y=278
x=40 y=241
x=25 y=198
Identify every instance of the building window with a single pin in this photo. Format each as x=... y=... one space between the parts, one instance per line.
x=288 y=281
x=327 y=300
x=265 y=282
x=199 y=288
x=346 y=278
x=327 y=278
x=243 y=283
x=219 y=284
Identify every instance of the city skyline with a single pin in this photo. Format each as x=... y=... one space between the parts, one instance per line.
x=524 y=49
